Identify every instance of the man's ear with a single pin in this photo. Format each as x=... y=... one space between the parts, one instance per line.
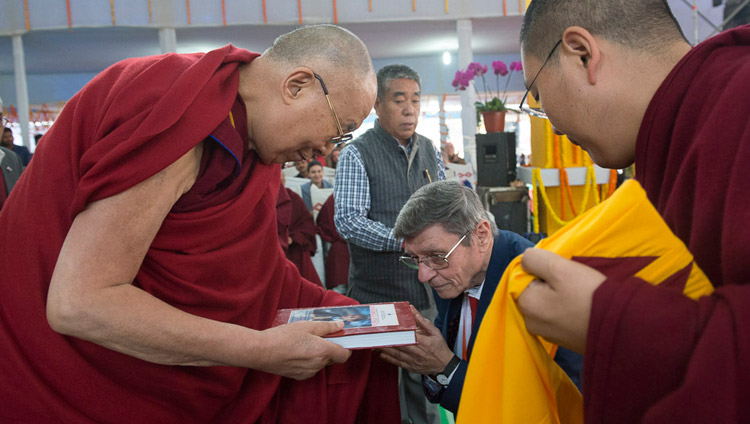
x=579 y=44
x=484 y=233
x=295 y=83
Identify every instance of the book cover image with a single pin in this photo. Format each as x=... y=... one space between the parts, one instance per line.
x=357 y=316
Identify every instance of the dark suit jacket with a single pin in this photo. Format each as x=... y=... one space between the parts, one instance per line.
x=507 y=246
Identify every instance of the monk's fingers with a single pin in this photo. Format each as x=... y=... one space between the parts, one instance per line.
x=320 y=328
x=542 y=263
x=558 y=272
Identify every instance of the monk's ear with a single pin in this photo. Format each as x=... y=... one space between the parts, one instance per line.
x=297 y=83
x=579 y=45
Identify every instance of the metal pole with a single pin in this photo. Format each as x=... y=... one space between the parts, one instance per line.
x=704 y=17
x=696 y=37
x=468 y=112
x=167 y=40
x=22 y=91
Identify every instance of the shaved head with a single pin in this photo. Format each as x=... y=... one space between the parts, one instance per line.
x=643 y=25
x=329 y=45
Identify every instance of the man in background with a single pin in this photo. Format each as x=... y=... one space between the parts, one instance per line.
x=375 y=176
x=21 y=151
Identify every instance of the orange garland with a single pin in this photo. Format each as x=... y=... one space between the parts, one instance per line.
x=265 y=19
x=224 y=12
x=335 y=13
x=413 y=5
x=187 y=6
x=370 y=4
x=112 y=11
x=505 y=8
x=299 y=10
x=149 y=11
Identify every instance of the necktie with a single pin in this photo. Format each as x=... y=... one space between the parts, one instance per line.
x=468 y=324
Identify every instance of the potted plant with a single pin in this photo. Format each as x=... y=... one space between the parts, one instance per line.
x=492 y=110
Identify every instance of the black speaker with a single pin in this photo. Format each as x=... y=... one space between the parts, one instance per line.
x=510 y=206
x=496 y=159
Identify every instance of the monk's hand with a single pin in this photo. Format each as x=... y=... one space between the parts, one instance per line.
x=298 y=350
x=557 y=306
x=429 y=356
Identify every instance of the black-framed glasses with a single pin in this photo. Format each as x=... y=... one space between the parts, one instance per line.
x=537 y=111
x=436 y=262
x=342 y=138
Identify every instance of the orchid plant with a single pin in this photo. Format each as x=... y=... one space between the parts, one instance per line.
x=463 y=79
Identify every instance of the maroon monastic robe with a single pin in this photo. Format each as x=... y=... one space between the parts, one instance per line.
x=337 y=260
x=653 y=355
x=216 y=256
x=302 y=232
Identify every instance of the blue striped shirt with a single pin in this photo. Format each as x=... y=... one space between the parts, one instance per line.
x=352 y=196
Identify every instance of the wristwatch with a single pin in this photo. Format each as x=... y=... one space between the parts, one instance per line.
x=444 y=376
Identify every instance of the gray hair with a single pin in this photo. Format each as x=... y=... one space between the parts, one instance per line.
x=450 y=204
x=644 y=25
x=393 y=72
x=325 y=43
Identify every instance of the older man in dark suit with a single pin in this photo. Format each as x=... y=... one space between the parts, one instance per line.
x=461 y=254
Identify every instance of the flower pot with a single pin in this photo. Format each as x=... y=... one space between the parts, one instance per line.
x=494 y=121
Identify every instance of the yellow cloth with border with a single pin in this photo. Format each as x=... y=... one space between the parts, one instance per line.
x=511 y=376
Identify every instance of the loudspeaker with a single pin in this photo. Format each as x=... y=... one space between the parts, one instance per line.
x=496 y=159
x=510 y=206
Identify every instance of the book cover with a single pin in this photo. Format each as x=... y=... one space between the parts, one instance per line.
x=365 y=326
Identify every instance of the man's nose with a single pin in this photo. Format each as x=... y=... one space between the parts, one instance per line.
x=425 y=273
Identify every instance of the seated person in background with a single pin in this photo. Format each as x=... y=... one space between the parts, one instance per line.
x=462 y=255
x=315 y=172
x=333 y=158
x=337 y=258
x=297 y=227
x=450 y=155
x=301 y=166
x=21 y=151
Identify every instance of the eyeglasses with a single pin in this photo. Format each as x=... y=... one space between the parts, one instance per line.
x=436 y=262
x=342 y=138
x=537 y=111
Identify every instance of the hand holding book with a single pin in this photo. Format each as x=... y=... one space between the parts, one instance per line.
x=429 y=356
x=365 y=326
x=297 y=351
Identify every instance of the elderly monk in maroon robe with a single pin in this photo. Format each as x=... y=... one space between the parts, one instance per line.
x=141 y=269
x=622 y=82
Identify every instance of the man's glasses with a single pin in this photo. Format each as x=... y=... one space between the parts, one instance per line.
x=436 y=262
x=537 y=111
x=342 y=138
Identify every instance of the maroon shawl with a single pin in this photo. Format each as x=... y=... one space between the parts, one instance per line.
x=302 y=232
x=337 y=260
x=653 y=355
x=213 y=257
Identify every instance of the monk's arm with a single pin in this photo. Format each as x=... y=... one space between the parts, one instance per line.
x=91 y=295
